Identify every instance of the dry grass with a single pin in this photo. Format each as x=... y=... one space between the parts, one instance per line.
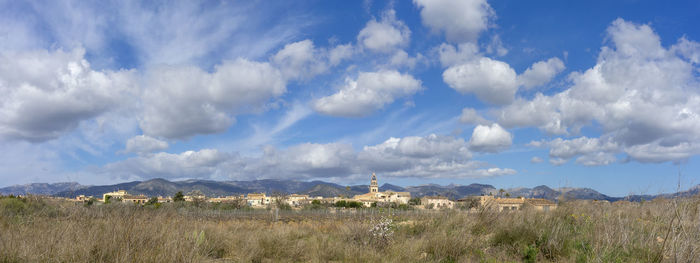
x=36 y=230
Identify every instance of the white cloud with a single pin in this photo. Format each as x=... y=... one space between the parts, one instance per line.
x=370 y=92
x=431 y=156
x=190 y=33
x=690 y=50
x=490 y=80
x=496 y=47
x=301 y=60
x=596 y=159
x=450 y=55
x=536 y=159
x=657 y=152
x=462 y=21
x=143 y=144
x=190 y=164
x=540 y=73
x=23 y=162
x=557 y=161
x=590 y=151
x=567 y=149
x=121 y=32
x=307 y=160
x=470 y=116
x=48 y=93
x=385 y=35
x=184 y=101
x=402 y=59
x=339 y=53
x=643 y=96
x=490 y=138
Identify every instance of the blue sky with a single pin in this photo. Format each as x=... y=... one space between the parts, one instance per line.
x=599 y=94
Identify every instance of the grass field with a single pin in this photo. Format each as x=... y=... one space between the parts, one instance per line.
x=37 y=230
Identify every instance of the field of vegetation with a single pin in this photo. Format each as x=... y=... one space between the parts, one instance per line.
x=33 y=229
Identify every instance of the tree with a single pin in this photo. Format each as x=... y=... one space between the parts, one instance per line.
x=198 y=197
x=152 y=201
x=279 y=200
x=90 y=201
x=179 y=197
x=414 y=201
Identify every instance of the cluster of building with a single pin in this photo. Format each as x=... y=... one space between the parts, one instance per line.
x=373 y=197
x=488 y=201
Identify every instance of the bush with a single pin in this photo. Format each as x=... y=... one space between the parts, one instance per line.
x=179 y=197
x=152 y=201
x=348 y=204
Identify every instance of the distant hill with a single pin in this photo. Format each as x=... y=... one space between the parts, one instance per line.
x=451 y=191
x=162 y=187
x=40 y=188
x=545 y=192
x=391 y=187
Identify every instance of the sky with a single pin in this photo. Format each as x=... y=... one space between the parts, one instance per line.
x=598 y=94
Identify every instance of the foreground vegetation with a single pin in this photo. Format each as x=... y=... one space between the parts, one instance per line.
x=37 y=230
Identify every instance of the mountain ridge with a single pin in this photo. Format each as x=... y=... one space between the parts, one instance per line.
x=163 y=187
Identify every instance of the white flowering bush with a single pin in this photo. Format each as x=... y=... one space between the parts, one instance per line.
x=382 y=232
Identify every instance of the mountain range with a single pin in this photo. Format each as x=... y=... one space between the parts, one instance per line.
x=162 y=187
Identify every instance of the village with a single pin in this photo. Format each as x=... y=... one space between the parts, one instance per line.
x=373 y=198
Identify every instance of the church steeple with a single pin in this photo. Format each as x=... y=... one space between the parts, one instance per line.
x=373 y=186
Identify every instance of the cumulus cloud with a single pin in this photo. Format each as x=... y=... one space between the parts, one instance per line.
x=450 y=55
x=190 y=164
x=371 y=91
x=496 y=47
x=644 y=97
x=567 y=149
x=48 y=93
x=490 y=80
x=536 y=159
x=307 y=160
x=385 y=35
x=461 y=21
x=339 y=53
x=590 y=151
x=690 y=50
x=402 y=59
x=432 y=156
x=491 y=138
x=540 y=73
x=470 y=116
x=596 y=159
x=142 y=144
x=184 y=101
x=301 y=60
x=557 y=161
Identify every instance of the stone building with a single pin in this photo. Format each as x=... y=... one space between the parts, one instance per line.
x=436 y=202
x=374 y=195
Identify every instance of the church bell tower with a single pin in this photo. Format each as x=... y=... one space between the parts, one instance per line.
x=373 y=186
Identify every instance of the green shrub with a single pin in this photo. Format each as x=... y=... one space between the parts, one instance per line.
x=530 y=254
x=179 y=197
